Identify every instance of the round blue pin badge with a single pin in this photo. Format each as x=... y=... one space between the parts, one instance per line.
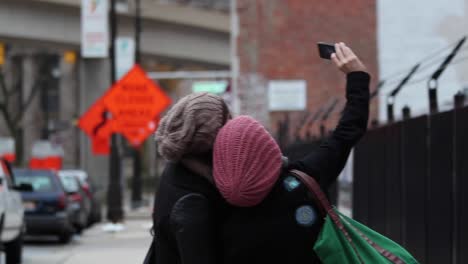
x=306 y=215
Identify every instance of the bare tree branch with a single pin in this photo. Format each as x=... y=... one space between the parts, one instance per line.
x=14 y=90
x=6 y=115
x=30 y=98
x=4 y=105
x=4 y=90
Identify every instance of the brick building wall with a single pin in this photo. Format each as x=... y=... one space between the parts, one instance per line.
x=277 y=40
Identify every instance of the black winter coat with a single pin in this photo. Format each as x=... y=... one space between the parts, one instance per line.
x=192 y=224
x=188 y=210
x=284 y=227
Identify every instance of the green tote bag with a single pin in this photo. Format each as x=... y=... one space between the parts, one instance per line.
x=343 y=240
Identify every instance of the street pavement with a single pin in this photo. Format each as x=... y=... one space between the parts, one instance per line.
x=94 y=246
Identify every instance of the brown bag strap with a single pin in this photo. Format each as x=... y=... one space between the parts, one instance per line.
x=327 y=209
x=325 y=206
x=314 y=187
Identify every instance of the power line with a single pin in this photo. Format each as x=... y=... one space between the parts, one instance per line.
x=427 y=59
x=426 y=78
x=426 y=67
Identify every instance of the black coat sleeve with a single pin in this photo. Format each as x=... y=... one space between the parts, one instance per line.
x=192 y=224
x=326 y=162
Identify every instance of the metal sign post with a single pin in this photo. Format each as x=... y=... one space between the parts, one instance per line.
x=115 y=212
x=137 y=182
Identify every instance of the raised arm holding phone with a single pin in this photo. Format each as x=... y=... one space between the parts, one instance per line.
x=272 y=218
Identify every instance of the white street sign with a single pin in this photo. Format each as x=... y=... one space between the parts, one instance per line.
x=94 y=28
x=287 y=95
x=124 y=55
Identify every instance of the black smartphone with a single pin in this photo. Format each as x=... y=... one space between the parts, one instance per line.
x=326 y=50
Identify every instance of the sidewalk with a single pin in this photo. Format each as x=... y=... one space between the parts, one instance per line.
x=127 y=246
x=96 y=245
x=142 y=213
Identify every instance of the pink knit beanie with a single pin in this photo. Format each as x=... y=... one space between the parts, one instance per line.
x=246 y=162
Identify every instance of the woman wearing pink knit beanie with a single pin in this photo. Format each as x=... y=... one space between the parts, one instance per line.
x=187 y=204
x=246 y=162
x=273 y=218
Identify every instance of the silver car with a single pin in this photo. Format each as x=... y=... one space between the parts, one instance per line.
x=12 y=225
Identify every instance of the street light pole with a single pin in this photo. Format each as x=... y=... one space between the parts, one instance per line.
x=234 y=21
x=137 y=31
x=114 y=192
x=136 y=180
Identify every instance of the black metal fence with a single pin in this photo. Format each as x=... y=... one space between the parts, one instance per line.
x=411 y=184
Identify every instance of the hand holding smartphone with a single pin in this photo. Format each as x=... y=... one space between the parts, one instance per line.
x=342 y=56
x=326 y=50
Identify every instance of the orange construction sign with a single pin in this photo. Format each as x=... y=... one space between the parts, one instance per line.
x=137 y=135
x=96 y=122
x=130 y=107
x=101 y=145
x=135 y=100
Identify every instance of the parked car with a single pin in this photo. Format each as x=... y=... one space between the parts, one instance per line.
x=79 y=200
x=92 y=192
x=11 y=214
x=48 y=210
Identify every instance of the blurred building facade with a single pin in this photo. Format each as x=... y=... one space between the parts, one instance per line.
x=278 y=41
x=411 y=32
x=219 y=5
x=42 y=38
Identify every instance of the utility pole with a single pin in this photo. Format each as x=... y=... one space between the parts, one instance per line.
x=236 y=107
x=136 y=180
x=137 y=31
x=114 y=192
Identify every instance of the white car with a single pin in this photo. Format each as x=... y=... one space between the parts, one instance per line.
x=11 y=214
